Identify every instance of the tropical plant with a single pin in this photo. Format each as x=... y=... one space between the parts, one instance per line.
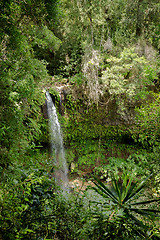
x=127 y=80
x=26 y=36
x=123 y=204
x=147 y=130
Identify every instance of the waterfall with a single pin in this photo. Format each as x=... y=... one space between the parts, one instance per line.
x=57 y=148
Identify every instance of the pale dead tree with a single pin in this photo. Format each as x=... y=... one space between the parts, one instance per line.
x=108 y=44
x=91 y=61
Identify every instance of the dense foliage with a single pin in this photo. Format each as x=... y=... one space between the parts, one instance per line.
x=100 y=61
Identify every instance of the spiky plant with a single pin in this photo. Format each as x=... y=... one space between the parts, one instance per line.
x=123 y=200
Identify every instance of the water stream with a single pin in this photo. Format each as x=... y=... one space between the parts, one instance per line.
x=57 y=148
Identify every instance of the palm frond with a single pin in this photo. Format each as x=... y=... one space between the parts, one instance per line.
x=136 y=220
x=146 y=211
x=105 y=190
x=130 y=192
x=100 y=192
x=139 y=188
x=117 y=189
x=138 y=229
x=128 y=187
x=146 y=202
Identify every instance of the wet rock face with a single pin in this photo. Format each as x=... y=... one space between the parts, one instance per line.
x=44 y=111
x=105 y=112
x=59 y=98
x=44 y=107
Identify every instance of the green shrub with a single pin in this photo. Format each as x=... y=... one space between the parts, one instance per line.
x=122 y=212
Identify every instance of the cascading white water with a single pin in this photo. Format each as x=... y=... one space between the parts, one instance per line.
x=57 y=149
